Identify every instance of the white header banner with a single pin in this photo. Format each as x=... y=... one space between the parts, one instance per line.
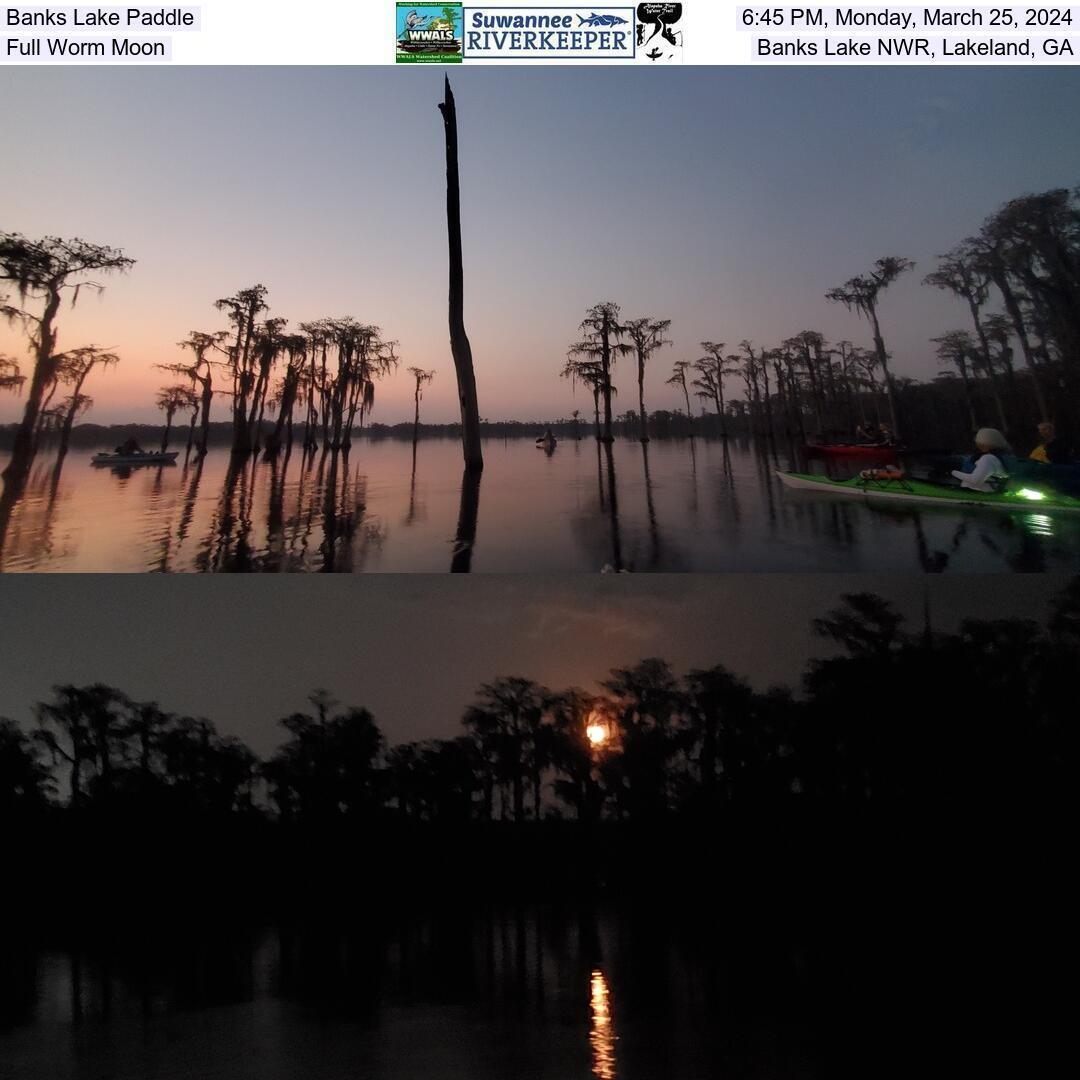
x=373 y=32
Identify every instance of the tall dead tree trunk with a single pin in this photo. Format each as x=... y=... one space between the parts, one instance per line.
x=459 y=341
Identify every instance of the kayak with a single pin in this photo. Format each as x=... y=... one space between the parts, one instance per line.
x=851 y=450
x=151 y=458
x=910 y=490
x=1062 y=477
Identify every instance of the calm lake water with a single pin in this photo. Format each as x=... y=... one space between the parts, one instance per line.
x=684 y=505
x=476 y=996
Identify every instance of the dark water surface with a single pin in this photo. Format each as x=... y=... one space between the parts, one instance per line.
x=516 y=993
x=699 y=505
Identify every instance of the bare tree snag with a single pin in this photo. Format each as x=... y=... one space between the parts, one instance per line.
x=459 y=340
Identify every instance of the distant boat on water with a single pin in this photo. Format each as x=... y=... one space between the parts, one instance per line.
x=152 y=457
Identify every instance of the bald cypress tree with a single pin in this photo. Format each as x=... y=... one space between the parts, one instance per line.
x=43 y=272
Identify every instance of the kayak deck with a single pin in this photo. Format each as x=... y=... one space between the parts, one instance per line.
x=923 y=491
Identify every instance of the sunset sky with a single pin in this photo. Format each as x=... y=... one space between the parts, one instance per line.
x=728 y=200
x=246 y=652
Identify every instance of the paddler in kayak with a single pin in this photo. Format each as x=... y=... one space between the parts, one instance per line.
x=1051 y=450
x=987 y=472
x=873 y=435
x=128 y=448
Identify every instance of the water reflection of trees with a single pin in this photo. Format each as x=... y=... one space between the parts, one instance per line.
x=650 y=509
x=38 y=503
x=330 y=505
x=619 y=539
x=468 y=516
x=416 y=510
x=597 y=524
x=696 y=504
x=612 y=507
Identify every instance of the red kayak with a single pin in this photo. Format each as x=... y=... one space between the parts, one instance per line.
x=866 y=450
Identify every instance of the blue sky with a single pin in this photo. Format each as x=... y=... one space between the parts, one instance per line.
x=727 y=199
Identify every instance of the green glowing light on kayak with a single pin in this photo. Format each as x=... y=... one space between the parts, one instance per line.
x=1033 y=496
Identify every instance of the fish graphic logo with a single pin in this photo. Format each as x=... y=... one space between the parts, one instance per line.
x=600 y=20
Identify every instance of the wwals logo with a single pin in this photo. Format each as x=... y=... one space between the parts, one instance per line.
x=429 y=33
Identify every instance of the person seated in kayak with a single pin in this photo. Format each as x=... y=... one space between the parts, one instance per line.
x=988 y=470
x=128 y=447
x=1051 y=450
x=867 y=433
x=885 y=435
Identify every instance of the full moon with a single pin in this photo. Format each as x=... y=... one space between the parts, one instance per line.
x=596 y=733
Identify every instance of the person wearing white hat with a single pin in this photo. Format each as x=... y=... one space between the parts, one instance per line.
x=989 y=470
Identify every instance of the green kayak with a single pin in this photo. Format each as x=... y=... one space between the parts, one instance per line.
x=924 y=491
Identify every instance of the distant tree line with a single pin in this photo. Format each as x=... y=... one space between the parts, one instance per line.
x=1016 y=362
x=897 y=715
x=219 y=433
